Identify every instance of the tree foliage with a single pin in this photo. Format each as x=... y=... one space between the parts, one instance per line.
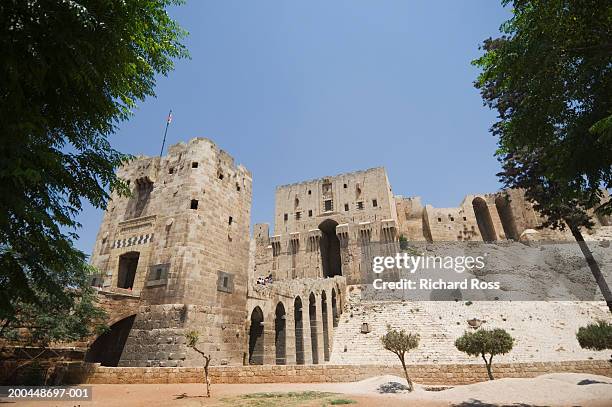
x=549 y=77
x=400 y=342
x=597 y=336
x=485 y=343
x=71 y=72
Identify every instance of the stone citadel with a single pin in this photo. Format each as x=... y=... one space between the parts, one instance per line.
x=177 y=255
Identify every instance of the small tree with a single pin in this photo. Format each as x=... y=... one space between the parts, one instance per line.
x=192 y=340
x=596 y=336
x=485 y=343
x=400 y=342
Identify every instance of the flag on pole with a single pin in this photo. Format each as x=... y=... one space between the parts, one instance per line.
x=168 y=121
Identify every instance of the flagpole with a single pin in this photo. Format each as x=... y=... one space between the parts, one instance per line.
x=165 y=133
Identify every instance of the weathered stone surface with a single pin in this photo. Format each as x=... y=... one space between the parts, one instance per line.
x=433 y=374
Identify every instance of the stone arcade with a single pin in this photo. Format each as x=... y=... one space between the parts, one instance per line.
x=178 y=256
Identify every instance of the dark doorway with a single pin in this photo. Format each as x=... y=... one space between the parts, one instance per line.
x=325 y=326
x=256 y=338
x=280 y=335
x=335 y=316
x=314 y=341
x=483 y=218
x=502 y=203
x=108 y=347
x=128 y=263
x=299 y=331
x=330 y=249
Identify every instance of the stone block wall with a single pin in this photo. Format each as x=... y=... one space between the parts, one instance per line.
x=186 y=227
x=431 y=374
x=319 y=303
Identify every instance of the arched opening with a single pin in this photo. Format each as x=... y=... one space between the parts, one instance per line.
x=299 y=331
x=280 y=335
x=314 y=341
x=502 y=203
x=483 y=219
x=108 y=347
x=137 y=204
x=256 y=338
x=325 y=326
x=335 y=316
x=128 y=263
x=330 y=249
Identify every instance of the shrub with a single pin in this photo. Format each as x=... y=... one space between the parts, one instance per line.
x=485 y=343
x=597 y=336
x=403 y=241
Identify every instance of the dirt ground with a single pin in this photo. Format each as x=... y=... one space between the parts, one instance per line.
x=567 y=389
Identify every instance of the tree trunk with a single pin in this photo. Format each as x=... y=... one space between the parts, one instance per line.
x=588 y=255
x=488 y=364
x=206 y=377
x=410 y=385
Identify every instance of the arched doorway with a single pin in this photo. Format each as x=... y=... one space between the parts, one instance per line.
x=483 y=218
x=299 y=331
x=256 y=338
x=280 y=335
x=502 y=203
x=330 y=249
x=128 y=264
x=325 y=326
x=108 y=347
x=335 y=316
x=314 y=340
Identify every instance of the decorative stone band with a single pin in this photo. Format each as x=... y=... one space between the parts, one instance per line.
x=132 y=241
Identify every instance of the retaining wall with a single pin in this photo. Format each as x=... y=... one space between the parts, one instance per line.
x=449 y=374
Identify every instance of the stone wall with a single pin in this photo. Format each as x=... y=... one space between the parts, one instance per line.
x=295 y=311
x=432 y=374
x=319 y=223
x=362 y=210
x=183 y=238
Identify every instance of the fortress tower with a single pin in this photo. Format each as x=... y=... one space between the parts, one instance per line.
x=180 y=246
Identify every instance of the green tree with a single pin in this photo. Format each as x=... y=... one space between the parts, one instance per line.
x=596 y=336
x=400 y=343
x=549 y=77
x=485 y=343
x=71 y=72
x=38 y=325
x=192 y=341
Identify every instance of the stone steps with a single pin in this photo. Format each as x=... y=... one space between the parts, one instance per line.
x=543 y=331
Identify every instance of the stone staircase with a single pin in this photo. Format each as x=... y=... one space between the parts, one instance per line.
x=543 y=331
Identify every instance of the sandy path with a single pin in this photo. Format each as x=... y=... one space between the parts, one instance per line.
x=560 y=389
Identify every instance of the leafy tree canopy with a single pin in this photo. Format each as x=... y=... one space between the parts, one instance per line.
x=596 y=336
x=485 y=343
x=71 y=72
x=549 y=77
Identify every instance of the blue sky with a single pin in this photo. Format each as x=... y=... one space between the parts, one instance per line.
x=299 y=90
